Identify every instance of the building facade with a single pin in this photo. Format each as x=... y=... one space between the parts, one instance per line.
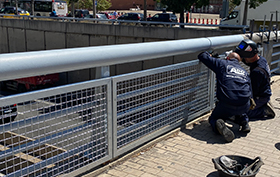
x=132 y=4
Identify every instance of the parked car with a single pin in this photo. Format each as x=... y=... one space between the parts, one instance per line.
x=12 y=11
x=30 y=83
x=23 y=12
x=101 y=16
x=132 y=16
x=105 y=13
x=80 y=13
x=111 y=16
x=163 y=17
x=8 y=113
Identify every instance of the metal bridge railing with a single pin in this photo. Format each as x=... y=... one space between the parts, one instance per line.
x=67 y=130
x=119 y=22
x=155 y=101
x=57 y=130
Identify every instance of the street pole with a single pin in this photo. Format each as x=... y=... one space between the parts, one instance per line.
x=32 y=7
x=225 y=9
x=94 y=8
x=72 y=9
x=16 y=7
x=145 y=10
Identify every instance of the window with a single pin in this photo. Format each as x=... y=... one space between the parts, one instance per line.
x=43 y=6
x=233 y=15
x=156 y=16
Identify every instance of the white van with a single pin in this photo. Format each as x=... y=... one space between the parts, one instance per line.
x=45 y=7
x=258 y=14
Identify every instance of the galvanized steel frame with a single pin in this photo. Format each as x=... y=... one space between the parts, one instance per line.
x=118 y=151
x=21 y=98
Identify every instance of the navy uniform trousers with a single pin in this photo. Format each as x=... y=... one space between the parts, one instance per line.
x=224 y=111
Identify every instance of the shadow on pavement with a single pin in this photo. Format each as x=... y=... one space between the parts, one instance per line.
x=203 y=131
x=213 y=174
x=260 y=119
x=277 y=146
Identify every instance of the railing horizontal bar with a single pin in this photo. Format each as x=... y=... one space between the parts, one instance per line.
x=276 y=45
x=275 y=54
x=153 y=71
x=28 y=121
x=35 y=63
x=156 y=87
x=153 y=122
x=51 y=160
x=134 y=127
x=274 y=70
x=47 y=139
x=44 y=140
x=157 y=102
x=275 y=62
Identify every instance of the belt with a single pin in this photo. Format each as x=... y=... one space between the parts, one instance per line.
x=235 y=106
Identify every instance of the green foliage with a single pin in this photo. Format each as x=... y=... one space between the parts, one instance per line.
x=88 y=4
x=103 y=5
x=85 y=4
x=70 y=1
x=200 y=3
x=255 y=3
x=181 y=5
x=252 y=3
x=235 y=2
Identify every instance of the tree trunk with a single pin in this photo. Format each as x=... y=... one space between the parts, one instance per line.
x=145 y=10
x=72 y=9
x=182 y=18
x=16 y=8
x=245 y=12
x=94 y=9
x=32 y=7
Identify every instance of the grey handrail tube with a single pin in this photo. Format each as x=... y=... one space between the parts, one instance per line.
x=26 y=64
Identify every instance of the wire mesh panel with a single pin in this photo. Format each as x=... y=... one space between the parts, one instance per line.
x=154 y=99
x=56 y=131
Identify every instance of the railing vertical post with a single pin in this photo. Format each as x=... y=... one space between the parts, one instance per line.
x=278 y=66
x=212 y=84
x=267 y=52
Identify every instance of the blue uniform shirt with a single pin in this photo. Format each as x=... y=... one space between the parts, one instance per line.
x=54 y=13
x=233 y=81
x=260 y=80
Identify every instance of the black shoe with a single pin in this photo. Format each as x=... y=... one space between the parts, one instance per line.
x=245 y=127
x=268 y=111
x=224 y=130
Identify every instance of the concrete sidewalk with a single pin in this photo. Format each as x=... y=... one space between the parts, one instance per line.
x=189 y=153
